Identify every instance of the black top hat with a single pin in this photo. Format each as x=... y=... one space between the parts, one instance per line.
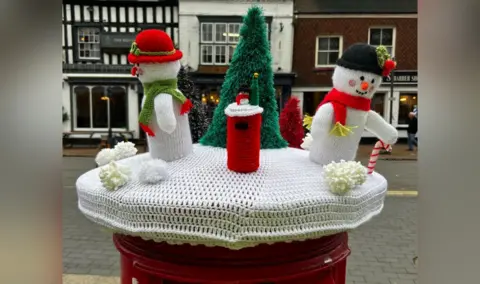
x=244 y=89
x=361 y=57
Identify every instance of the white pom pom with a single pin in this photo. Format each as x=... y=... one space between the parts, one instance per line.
x=114 y=176
x=105 y=156
x=342 y=177
x=307 y=141
x=153 y=171
x=124 y=150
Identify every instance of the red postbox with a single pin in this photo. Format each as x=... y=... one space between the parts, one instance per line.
x=318 y=261
x=244 y=122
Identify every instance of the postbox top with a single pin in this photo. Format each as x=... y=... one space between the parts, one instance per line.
x=242 y=110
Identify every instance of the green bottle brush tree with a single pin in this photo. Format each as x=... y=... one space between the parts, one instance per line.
x=252 y=55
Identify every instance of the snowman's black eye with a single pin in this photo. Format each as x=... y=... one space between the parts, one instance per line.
x=373 y=81
x=362 y=78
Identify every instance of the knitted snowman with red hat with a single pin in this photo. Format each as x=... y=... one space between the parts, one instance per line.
x=345 y=113
x=164 y=110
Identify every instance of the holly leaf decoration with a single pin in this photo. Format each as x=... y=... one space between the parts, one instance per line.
x=382 y=55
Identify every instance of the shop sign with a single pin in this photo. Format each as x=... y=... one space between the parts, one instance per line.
x=117 y=40
x=403 y=77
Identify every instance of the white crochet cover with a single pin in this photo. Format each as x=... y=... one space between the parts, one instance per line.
x=202 y=202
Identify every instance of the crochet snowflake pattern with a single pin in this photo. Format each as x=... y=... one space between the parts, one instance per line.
x=153 y=171
x=343 y=176
x=124 y=150
x=105 y=156
x=114 y=176
x=307 y=141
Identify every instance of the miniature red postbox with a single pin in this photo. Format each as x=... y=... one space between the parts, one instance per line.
x=244 y=122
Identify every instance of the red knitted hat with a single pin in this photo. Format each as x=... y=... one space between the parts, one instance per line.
x=153 y=46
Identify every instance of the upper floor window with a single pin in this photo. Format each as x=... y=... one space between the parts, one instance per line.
x=218 y=42
x=88 y=39
x=328 y=50
x=383 y=36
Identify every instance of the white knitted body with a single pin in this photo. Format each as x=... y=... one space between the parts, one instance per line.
x=202 y=202
x=172 y=138
x=325 y=147
x=174 y=145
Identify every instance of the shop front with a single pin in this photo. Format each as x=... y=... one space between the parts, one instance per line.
x=96 y=104
x=209 y=86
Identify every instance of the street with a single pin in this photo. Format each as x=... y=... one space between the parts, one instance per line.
x=382 y=250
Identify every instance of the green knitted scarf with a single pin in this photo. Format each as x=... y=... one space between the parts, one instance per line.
x=151 y=90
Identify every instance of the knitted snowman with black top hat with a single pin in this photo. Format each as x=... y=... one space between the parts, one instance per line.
x=345 y=113
x=164 y=108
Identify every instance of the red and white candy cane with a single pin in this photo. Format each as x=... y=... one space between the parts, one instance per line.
x=375 y=153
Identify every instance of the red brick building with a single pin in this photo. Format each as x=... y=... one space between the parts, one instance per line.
x=323 y=29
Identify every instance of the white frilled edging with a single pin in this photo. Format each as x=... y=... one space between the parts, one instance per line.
x=202 y=202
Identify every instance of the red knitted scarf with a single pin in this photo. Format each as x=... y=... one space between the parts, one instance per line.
x=341 y=101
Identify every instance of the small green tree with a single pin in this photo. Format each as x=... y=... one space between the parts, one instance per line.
x=251 y=55
x=198 y=116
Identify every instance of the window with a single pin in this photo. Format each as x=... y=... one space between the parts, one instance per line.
x=383 y=36
x=311 y=100
x=329 y=49
x=378 y=103
x=218 y=42
x=88 y=43
x=408 y=102
x=92 y=110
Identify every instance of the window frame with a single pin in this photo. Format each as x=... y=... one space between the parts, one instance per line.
x=213 y=43
x=340 y=50
x=222 y=20
x=75 y=42
x=73 y=115
x=394 y=35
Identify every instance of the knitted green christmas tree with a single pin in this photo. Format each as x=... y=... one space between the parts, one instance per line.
x=251 y=55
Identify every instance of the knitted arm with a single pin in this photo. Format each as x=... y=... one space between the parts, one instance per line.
x=383 y=130
x=165 y=115
x=322 y=121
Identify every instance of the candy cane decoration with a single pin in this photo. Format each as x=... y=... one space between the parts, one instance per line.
x=375 y=153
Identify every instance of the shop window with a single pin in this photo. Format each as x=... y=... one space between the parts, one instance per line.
x=311 y=100
x=210 y=99
x=118 y=107
x=378 y=103
x=92 y=111
x=383 y=36
x=407 y=103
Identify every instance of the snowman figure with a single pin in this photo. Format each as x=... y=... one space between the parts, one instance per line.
x=345 y=113
x=164 y=110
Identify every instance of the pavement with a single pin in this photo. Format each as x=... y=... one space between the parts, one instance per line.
x=382 y=249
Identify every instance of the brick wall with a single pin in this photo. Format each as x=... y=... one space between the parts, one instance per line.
x=353 y=30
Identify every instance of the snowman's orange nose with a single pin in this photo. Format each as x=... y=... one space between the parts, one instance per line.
x=364 y=86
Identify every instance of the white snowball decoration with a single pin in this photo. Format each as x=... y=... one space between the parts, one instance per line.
x=307 y=141
x=121 y=151
x=105 y=156
x=343 y=176
x=153 y=171
x=114 y=176
x=358 y=172
x=124 y=150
